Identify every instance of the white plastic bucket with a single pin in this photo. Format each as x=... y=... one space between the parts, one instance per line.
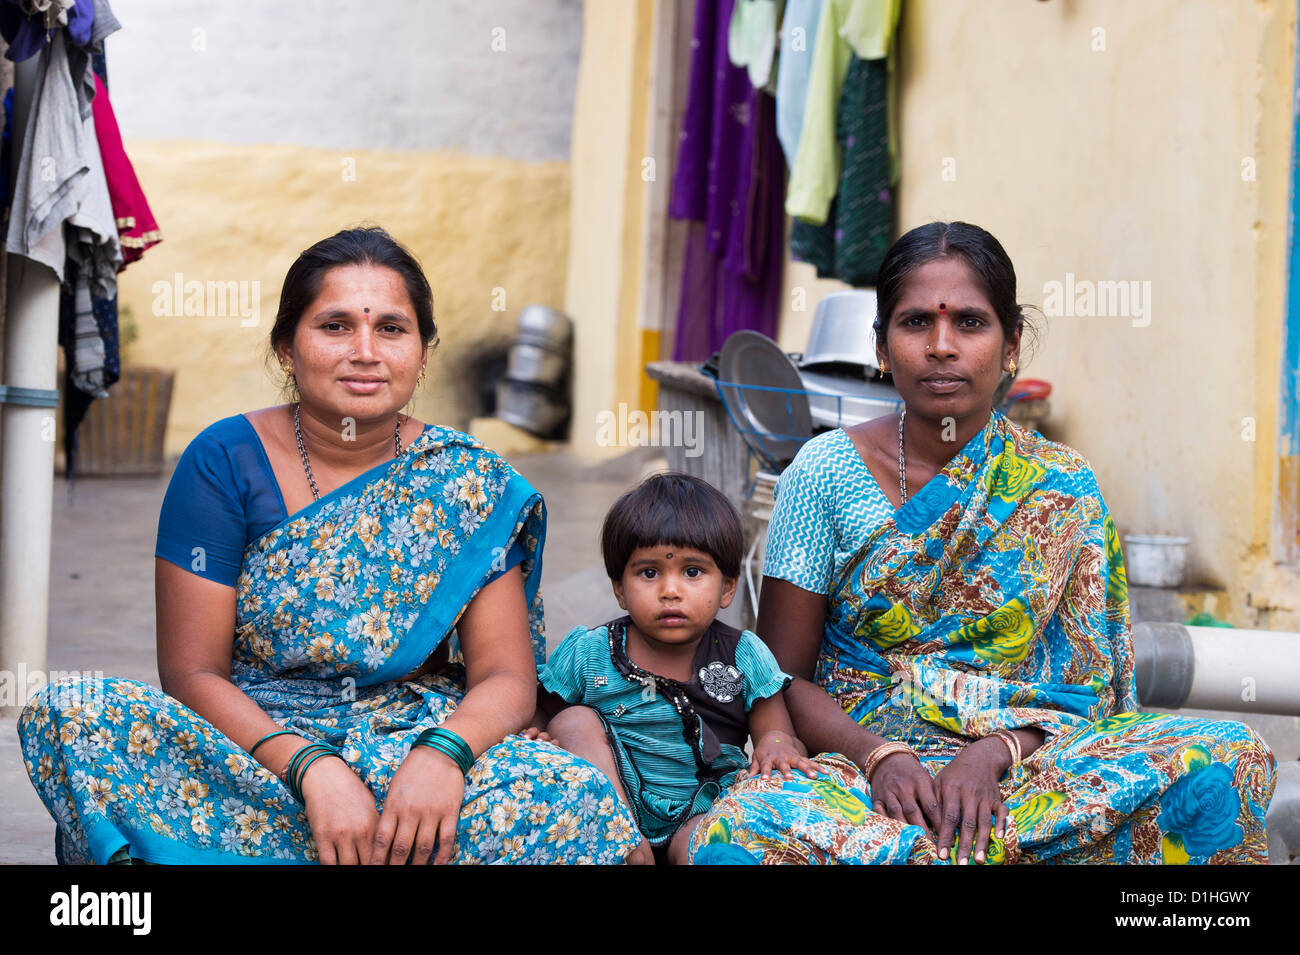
x=1154 y=560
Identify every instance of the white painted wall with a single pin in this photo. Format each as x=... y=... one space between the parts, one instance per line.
x=343 y=74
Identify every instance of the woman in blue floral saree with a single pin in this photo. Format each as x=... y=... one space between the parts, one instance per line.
x=359 y=624
x=965 y=651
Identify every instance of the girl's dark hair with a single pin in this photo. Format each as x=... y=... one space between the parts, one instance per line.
x=981 y=252
x=361 y=246
x=675 y=510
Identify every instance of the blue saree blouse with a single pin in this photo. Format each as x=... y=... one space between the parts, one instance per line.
x=223 y=496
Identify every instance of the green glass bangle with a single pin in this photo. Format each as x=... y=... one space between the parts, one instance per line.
x=296 y=776
x=298 y=757
x=291 y=771
x=307 y=754
x=465 y=757
x=302 y=773
x=269 y=736
x=459 y=763
x=448 y=736
x=450 y=745
x=446 y=750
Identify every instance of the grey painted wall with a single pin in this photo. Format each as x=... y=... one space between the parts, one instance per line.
x=350 y=74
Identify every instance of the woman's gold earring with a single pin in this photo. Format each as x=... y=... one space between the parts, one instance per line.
x=1012 y=369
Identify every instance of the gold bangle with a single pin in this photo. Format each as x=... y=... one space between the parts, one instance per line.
x=1012 y=744
x=883 y=752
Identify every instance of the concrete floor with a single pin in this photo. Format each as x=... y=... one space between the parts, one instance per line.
x=102 y=614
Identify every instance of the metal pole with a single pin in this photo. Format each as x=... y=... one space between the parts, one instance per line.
x=27 y=471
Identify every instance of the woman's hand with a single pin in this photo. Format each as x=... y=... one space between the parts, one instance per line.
x=341 y=812
x=901 y=789
x=422 y=808
x=968 y=792
x=780 y=751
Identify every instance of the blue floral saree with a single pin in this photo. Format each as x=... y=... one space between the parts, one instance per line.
x=334 y=606
x=996 y=598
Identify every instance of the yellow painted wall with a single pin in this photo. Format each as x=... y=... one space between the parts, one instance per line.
x=243 y=213
x=1116 y=164
x=606 y=254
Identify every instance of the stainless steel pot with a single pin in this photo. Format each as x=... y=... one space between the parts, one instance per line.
x=842 y=331
x=544 y=326
x=530 y=406
x=536 y=363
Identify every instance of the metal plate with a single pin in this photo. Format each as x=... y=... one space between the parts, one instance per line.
x=774 y=416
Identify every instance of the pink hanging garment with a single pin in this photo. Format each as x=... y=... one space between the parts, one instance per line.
x=136 y=227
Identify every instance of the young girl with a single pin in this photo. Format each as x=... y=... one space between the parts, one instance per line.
x=663 y=699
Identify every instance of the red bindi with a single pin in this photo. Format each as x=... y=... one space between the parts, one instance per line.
x=942 y=307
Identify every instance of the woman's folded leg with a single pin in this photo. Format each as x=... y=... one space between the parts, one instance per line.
x=531 y=802
x=1135 y=788
x=1143 y=788
x=119 y=764
x=805 y=822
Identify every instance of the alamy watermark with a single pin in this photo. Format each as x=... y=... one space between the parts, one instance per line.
x=659 y=429
x=1102 y=299
x=70 y=687
x=210 y=299
x=131 y=909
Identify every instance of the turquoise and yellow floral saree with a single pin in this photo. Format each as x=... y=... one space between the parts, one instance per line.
x=334 y=607
x=995 y=598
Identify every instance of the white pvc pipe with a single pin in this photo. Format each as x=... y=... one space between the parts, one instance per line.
x=27 y=469
x=1245 y=670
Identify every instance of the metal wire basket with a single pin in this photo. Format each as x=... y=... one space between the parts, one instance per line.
x=775 y=422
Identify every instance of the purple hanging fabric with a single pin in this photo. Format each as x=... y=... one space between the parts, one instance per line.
x=730 y=182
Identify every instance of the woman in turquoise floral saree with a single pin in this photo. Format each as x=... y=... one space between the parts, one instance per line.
x=965 y=650
x=349 y=617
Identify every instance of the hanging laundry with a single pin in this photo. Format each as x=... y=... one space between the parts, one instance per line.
x=751 y=40
x=859 y=225
x=844 y=228
x=136 y=227
x=729 y=183
x=92 y=229
x=52 y=164
x=846 y=28
x=88 y=327
x=61 y=179
x=105 y=23
x=86 y=359
x=88 y=334
x=26 y=25
x=62 y=214
x=798 y=34
x=86 y=45
x=6 y=148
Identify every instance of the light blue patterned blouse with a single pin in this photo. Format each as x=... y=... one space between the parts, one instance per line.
x=827 y=502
